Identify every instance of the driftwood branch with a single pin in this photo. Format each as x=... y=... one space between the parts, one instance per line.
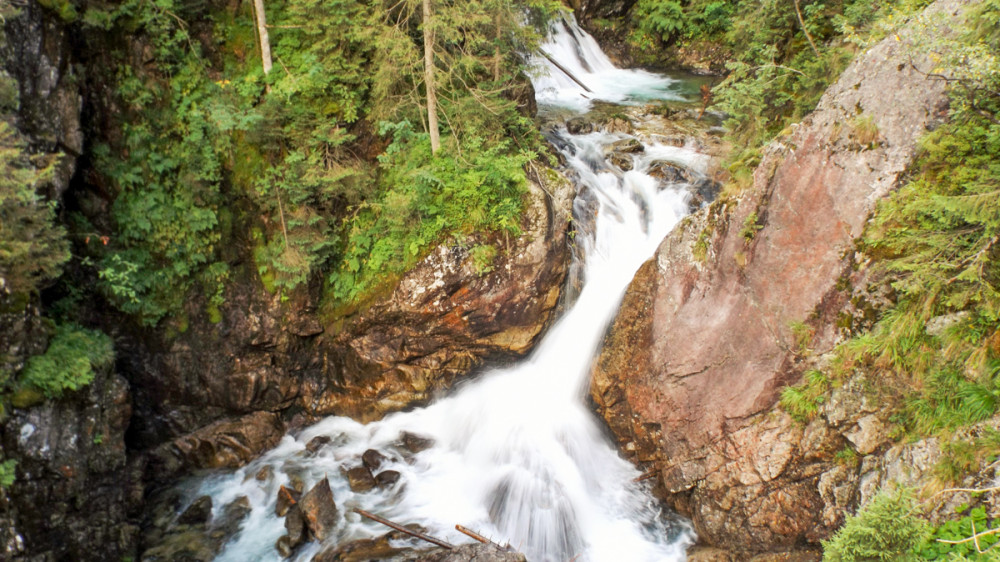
x=566 y=71
x=470 y=533
x=402 y=529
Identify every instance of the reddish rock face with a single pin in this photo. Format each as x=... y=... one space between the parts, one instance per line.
x=701 y=348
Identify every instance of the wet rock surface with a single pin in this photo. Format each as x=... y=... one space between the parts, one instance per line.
x=223 y=444
x=193 y=535
x=692 y=366
x=379 y=548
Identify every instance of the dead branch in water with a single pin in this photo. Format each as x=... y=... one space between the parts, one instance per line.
x=402 y=529
x=470 y=533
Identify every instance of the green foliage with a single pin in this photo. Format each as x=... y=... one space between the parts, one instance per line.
x=7 y=474
x=482 y=257
x=803 y=401
x=937 y=240
x=775 y=76
x=750 y=227
x=32 y=247
x=670 y=20
x=203 y=130
x=884 y=530
x=965 y=456
x=847 y=457
x=69 y=362
x=970 y=522
x=472 y=188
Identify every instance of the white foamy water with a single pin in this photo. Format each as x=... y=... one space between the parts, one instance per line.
x=580 y=54
x=517 y=454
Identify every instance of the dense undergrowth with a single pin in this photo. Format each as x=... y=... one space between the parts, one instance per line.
x=209 y=144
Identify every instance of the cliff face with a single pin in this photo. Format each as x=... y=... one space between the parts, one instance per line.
x=693 y=365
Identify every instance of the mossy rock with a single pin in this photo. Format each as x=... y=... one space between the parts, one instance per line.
x=27 y=397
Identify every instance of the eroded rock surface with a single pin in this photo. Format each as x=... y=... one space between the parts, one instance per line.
x=694 y=362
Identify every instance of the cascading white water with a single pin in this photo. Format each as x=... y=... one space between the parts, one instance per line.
x=580 y=54
x=517 y=455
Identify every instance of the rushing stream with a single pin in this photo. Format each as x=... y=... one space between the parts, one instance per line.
x=517 y=454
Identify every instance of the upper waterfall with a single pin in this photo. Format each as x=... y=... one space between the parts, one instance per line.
x=577 y=51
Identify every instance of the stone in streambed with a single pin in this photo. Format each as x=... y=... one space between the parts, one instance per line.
x=286 y=499
x=628 y=146
x=284 y=546
x=387 y=478
x=372 y=459
x=670 y=173
x=295 y=524
x=199 y=512
x=265 y=473
x=319 y=510
x=415 y=443
x=579 y=126
x=360 y=479
x=317 y=443
x=621 y=161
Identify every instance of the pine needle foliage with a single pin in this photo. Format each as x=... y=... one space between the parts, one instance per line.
x=33 y=247
x=885 y=530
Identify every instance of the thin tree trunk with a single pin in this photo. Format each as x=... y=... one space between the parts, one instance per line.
x=802 y=22
x=265 y=43
x=432 y=118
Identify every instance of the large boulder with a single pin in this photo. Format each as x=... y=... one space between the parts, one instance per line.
x=273 y=353
x=706 y=336
x=229 y=443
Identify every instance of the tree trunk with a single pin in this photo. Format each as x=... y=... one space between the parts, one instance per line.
x=432 y=118
x=265 y=43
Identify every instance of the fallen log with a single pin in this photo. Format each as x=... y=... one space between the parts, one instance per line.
x=402 y=529
x=567 y=72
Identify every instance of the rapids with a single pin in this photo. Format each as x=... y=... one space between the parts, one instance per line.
x=517 y=453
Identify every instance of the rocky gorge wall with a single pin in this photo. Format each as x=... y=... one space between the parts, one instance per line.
x=692 y=368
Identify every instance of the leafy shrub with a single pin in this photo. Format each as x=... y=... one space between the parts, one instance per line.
x=70 y=361
x=884 y=530
x=973 y=521
x=426 y=199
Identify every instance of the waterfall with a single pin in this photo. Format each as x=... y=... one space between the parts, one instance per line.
x=516 y=454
